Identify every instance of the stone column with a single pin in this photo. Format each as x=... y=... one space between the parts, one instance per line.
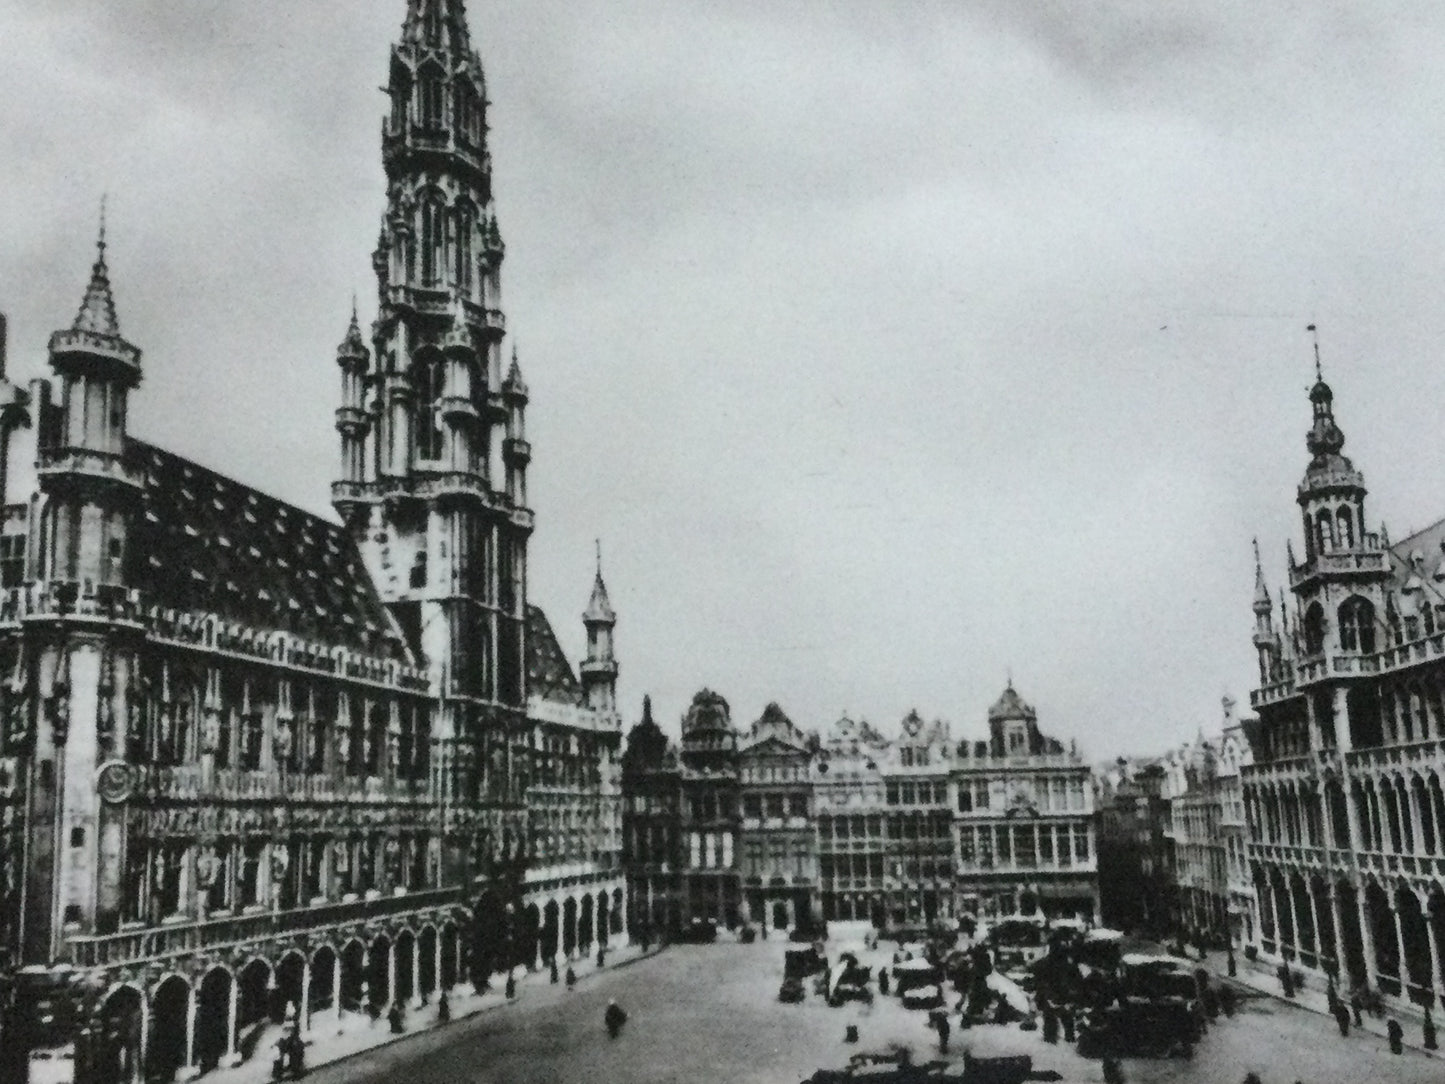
x=1400 y=947
x=1315 y=926
x=390 y=974
x=1293 y=915
x=437 y=967
x=1274 y=914
x=416 y=998
x=336 y=988
x=303 y=1008
x=1337 y=925
x=232 y=1056
x=1435 y=985
x=189 y=1070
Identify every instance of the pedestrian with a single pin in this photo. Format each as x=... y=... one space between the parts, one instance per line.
x=1342 y=1018
x=601 y=956
x=1051 y=1023
x=394 y=1018
x=1331 y=997
x=1357 y=1006
x=1113 y=1071
x=1397 y=1037
x=444 y=1008
x=511 y=986
x=943 y=1031
x=554 y=970
x=614 y=1018
x=850 y=1033
x=1067 y=1019
x=883 y=980
x=571 y=977
x=1429 y=1032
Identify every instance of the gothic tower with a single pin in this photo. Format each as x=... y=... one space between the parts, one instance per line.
x=433 y=444
x=599 y=668
x=76 y=695
x=1338 y=587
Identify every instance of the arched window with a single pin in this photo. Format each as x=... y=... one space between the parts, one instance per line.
x=1357 y=625
x=1314 y=629
x=1346 y=528
x=430 y=383
x=466 y=218
x=433 y=240
x=1324 y=531
x=431 y=102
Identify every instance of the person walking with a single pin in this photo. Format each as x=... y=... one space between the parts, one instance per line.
x=1357 y=1006
x=941 y=1024
x=1397 y=1037
x=571 y=978
x=614 y=1018
x=1342 y=1018
x=883 y=981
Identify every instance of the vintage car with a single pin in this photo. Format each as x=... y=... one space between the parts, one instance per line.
x=1139 y=1027
x=792 y=990
x=923 y=997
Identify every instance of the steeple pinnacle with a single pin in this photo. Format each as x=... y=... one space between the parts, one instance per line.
x=437 y=23
x=1325 y=438
x=599 y=608
x=354 y=344
x=97 y=308
x=1262 y=602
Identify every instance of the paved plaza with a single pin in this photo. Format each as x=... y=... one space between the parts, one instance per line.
x=703 y=1013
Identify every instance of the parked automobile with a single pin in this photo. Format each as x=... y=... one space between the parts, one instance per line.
x=923 y=997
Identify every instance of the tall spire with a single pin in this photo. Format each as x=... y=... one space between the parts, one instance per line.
x=1262 y=603
x=1325 y=438
x=97 y=308
x=599 y=608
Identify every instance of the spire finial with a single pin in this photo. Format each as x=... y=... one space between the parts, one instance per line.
x=97 y=308
x=1315 y=336
x=598 y=543
x=100 y=239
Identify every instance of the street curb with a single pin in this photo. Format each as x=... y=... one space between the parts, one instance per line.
x=397 y=1039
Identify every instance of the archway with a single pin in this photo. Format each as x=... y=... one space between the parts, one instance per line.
x=1382 y=933
x=550 y=931
x=378 y=972
x=323 y=981
x=528 y=935
x=166 y=1044
x=569 y=927
x=1415 y=934
x=290 y=976
x=427 y=978
x=253 y=1006
x=405 y=973
x=353 y=976
x=1436 y=914
x=213 y=1018
x=122 y=1026
x=584 y=926
x=1354 y=938
x=604 y=920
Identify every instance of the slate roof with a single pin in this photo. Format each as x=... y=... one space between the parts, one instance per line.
x=205 y=542
x=549 y=674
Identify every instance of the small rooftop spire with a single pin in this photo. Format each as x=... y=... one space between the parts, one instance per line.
x=1262 y=602
x=97 y=308
x=599 y=607
x=354 y=344
x=1315 y=335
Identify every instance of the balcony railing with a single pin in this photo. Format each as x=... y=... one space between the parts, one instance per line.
x=155 y=942
x=1368 y=559
x=91 y=464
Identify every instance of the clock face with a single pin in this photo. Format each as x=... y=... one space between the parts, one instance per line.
x=115 y=781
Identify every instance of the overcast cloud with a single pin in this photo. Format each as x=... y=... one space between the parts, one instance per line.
x=886 y=347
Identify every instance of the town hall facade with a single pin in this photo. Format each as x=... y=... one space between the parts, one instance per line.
x=254 y=762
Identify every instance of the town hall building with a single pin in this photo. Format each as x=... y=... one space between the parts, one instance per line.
x=254 y=762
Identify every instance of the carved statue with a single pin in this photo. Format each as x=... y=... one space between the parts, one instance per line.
x=210 y=729
x=208 y=865
x=282 y=743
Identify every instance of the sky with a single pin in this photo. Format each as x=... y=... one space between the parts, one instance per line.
x=889 y=349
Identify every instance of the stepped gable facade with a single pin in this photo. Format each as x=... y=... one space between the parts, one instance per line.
x=254 y=763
